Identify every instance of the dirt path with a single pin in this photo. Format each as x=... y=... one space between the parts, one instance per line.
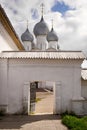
x=45 y=105
x=35 y=122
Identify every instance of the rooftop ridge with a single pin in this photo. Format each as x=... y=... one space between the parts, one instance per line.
x=44 y=51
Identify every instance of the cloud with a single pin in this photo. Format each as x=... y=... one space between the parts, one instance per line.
x=70 y=27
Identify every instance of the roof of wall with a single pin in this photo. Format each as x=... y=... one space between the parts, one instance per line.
x=76 y=55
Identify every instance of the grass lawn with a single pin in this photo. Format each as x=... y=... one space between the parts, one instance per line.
x=38 y=99
x=75 y=123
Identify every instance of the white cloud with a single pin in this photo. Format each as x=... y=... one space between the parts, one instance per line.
x=71 y=28
x=84 y=64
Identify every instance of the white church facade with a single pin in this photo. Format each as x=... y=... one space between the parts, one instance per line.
x=45 y=63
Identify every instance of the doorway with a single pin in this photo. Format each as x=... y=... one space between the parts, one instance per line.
x=41 y=97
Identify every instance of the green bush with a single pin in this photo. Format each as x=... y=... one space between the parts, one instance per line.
x=75 y=123
x=84 y=118
x=68 y=113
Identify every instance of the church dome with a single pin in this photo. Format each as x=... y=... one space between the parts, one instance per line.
x=41 y=28
x=27 y=36
x=52 y=36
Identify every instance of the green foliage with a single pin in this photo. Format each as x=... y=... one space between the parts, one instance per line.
x=68 y=113
x=74 y=123
x=38 y=99
x=84 y=118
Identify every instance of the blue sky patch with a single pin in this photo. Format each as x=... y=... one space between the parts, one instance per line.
x=60 y=7
x=13 y=10
x=34 y=13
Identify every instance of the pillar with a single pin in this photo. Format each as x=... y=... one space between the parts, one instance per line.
x=77 y=99
x=57 y=98
x=26 y=98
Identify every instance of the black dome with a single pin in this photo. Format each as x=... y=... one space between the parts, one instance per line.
x=52 y=36
x=41 y=28
x=27 y=36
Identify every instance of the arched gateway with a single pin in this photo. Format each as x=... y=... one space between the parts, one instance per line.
x=19 y=69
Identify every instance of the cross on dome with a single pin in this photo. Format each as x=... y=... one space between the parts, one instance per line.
x=42 y=8
x=27 y=23
x=52 y=23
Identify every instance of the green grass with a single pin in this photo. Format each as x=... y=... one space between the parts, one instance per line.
x=75 y=123
x=38 y=99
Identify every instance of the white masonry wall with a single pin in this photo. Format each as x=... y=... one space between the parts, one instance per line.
x=84 y=88
x=84 y=94
x=6 y=41
x=14 y=73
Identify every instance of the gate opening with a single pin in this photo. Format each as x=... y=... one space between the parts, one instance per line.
x=41 y=97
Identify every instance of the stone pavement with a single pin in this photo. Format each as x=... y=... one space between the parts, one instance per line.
x=33 y=122
x=43 y=121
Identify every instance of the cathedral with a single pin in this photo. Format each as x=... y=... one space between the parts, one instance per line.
x=45 y=40
x=45 y=64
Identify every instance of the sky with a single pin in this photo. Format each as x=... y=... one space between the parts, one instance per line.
x=69 y=19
